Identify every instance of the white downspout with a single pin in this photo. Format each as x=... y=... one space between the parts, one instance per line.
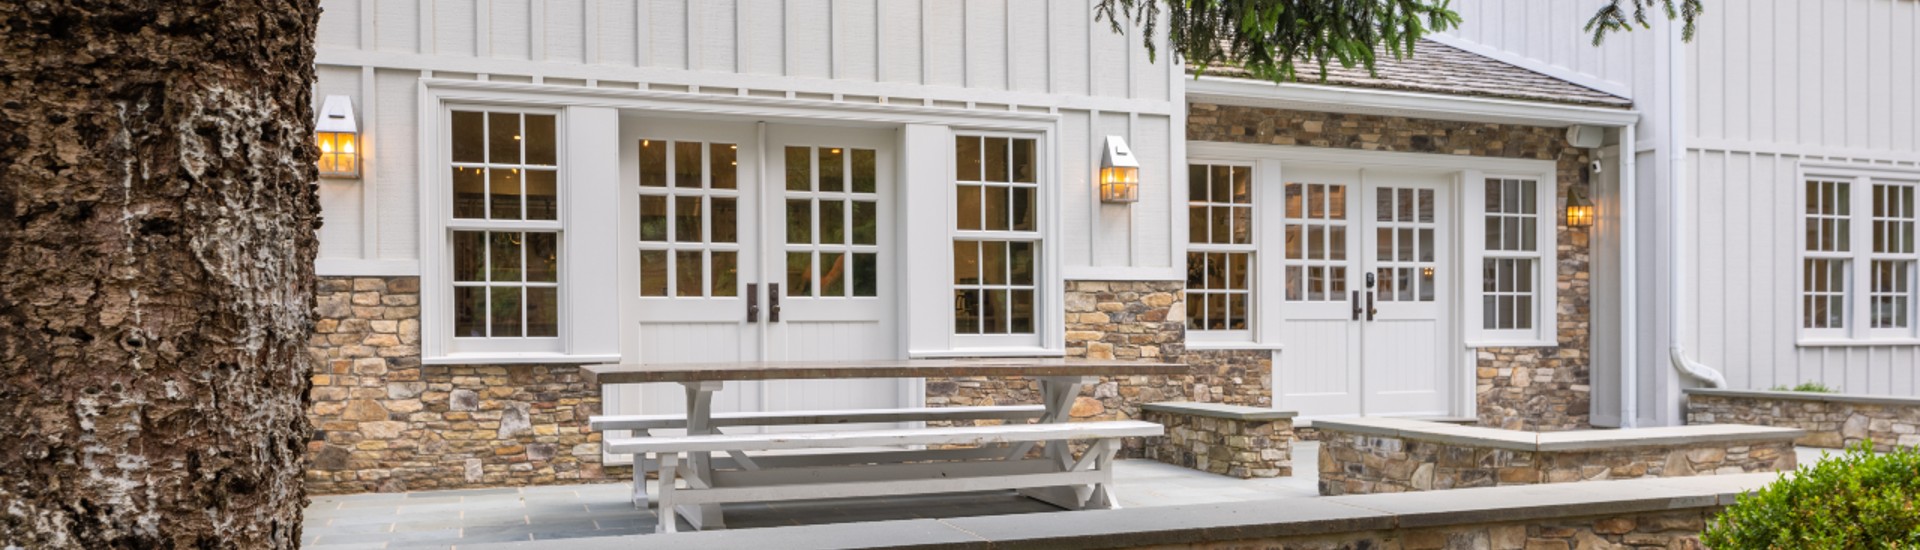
x=1677 y=170
x=1629 y=287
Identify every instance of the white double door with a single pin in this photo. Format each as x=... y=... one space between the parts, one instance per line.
x=745 y=241
x=1367 y=258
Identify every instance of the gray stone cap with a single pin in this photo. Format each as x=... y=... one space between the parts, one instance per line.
x=1219 y=522
x=1811 y=396
x=1218 y=410
x=1474 y=436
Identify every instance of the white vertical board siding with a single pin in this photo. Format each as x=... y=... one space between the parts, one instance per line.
x=1550 y=37
x=1742 y=290
x=1032 y=56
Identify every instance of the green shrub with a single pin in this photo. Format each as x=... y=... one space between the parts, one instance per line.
x=1814 y=387
x=1854 y=500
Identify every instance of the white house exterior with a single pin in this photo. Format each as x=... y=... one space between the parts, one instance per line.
x=546 y=184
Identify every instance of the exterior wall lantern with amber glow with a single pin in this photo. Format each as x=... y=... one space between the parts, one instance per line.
x=1580 y=211
x=339 y=138
x=1119 y=173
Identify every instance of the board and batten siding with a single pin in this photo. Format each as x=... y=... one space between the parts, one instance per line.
x=990 y=55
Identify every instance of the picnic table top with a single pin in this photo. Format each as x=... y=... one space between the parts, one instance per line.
x=888 y=368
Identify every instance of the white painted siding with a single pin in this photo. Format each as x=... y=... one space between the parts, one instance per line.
x=1048 y=57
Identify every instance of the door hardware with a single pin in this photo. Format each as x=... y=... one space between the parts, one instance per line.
x=753 y=302
x=1355 y=302
x=1370 y=311
x=1369 y=280
x=773 y=302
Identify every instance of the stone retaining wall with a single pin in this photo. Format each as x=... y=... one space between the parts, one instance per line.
x=1226 y=446
x=1832 y=421
x=385 y=422
x=1676 y=530
x=1353 y=463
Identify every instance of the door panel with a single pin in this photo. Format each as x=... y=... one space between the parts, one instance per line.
x=1406 y=246
x=1320 y=373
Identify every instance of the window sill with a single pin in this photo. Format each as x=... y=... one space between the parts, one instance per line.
x=985 y=352
x=1481 y=344
x=519 y=359
x=1864 y=342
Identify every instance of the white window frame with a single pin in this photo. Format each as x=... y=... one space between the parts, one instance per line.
x=1858 y=318
x=581 y=270
x=1202 y=338
x=1045 y=281
x=1546 y=323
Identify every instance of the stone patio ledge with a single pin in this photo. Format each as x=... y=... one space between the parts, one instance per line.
x=1582 y=440
x=1218 y=410
x=1811 y=396
x=1482 y=510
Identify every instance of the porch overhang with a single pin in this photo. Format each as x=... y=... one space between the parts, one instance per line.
x=1387 y=102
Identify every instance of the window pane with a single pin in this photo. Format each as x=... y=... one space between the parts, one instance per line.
x=966 y=262
x=1197 y=182
x=1337 y=242
x=689 y=273
x=723 y=163
x=967 y=207
x=833 y=274
x=543 y=257
x=653 y=273
x=1020 y=260
x=1022 y=311
x=1242 y=224
x=503 y=256
x=1295 y=281
x=1197 y=224
x=1023 y=208
x=799 y=221
x=543 y=196
x=996 y=208
x=686 y=219
x=1196 y=270
x=966 y=311
x=686 y=164
x=469 y=255
x=469 y=193
x=726 y=222
x=504 y=311
x=966 y=158
x=833 y=170
x=1221 y=182
x=541 y=147
x=799 y=273
x=653 y=163
x=866 y=274
x=1236 y=312
x=866 y=222
x=1023 y=162
x=1242 y=185
x=1221 y=218
x=993 y=262
x=653 y=218
x=1294 y=201
x=469 y=140
x=503 y=139
x=503 y=188
x=995 y=319
x=543 y=312
x=996 y=151
x=799 y=169
x=1237 y=270
x=833 y=228
x=469 y=311
x=865 y=171
x=726 y=273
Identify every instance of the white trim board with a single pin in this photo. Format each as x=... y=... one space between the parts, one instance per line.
x=1558 y=72
x=1376 y=159
x=356 y=267
x=1345 y=99
x=751 y=108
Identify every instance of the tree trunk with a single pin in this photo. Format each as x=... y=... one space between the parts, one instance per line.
x=157 y=216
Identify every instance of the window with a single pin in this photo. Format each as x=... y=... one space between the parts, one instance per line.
x=1220 y=247
x=1316 y=236
x=505 y=228
x=833 y=220
x=996 y=243
x=1514 y=256
x=1857 y=260
x=689 y=219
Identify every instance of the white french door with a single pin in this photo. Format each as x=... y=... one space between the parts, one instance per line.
x=749 y=242
x=1365 y=263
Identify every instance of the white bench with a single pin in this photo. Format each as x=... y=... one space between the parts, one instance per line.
x=1089 y=478
x=642 y=426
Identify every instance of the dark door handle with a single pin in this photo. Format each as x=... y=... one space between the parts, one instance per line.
x=1370 y=310
x=753 y=302
x=773 y=302
x=1355 y=302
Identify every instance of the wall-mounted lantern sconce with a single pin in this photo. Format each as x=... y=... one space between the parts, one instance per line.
x=1580 y=211
x=339 y=138
x=1119 y=173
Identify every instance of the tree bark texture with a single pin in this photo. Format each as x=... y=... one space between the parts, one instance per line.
x=157 y=217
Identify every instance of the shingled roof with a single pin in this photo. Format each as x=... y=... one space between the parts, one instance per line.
x=1442 y=69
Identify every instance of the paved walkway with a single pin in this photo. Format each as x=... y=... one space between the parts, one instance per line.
x=444 y=519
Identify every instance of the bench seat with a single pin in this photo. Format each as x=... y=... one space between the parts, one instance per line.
x=790 y=418
x=958 y=435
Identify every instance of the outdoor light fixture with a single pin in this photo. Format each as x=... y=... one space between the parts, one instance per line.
x=339 y=139
x=1119 y=173
x=1579 y=209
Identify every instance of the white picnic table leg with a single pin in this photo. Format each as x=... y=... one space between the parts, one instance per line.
x=1058 y=394
x=699 y=422
x=669 y=516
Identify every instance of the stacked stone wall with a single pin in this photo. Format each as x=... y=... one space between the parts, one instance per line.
x=1364 y=464
x=1226 y=446
x=1670 y=530
x=1519 y=388
x=385 y=422
x=1829 y=423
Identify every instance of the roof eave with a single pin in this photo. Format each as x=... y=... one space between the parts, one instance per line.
x=1388 y=102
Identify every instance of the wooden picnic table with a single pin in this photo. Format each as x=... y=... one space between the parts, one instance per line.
x=1061 y=380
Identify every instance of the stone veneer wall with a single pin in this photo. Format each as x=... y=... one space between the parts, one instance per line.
x=385 y=422
x=1831 y=421
x=1674 y=530
x=1364 y=464
x=1518 y=388
x=1226 y=446
x=1143 y=320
